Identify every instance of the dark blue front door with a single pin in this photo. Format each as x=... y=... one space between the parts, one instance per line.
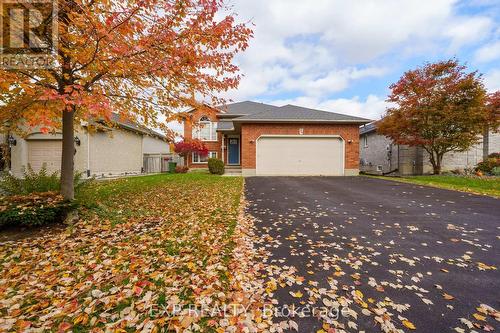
x=233 y=151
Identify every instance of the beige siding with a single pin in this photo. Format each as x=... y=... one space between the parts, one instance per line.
x=115 y=153
x=494 y=146
x=153 y=145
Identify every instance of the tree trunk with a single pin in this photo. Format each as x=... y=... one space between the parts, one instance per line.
x=436 y=166
x=486 y=143
x=68 y=154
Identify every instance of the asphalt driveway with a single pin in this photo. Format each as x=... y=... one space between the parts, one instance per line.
x=390 y=255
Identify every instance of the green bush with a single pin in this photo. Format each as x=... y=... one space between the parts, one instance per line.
x=488 y=165
x=495 y=171
x=37 y=182
x=34 y=209
x=215 y=166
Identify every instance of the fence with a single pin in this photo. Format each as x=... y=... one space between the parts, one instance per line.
x=159 y=163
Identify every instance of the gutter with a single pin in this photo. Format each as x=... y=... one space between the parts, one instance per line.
x=301 y=121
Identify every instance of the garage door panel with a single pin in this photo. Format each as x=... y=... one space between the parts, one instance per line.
x=296 y=156
x=45 y=152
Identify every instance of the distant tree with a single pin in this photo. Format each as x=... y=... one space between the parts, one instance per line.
x=141 y=59
x=440 y=107
x=186 y=147
x=493 y=108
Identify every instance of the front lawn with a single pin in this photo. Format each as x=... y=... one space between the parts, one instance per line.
x=485 y=186
x=144 y=248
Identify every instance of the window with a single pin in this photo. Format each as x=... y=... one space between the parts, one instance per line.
x=204 y=159
x=205 y=130
x=365 y=141
x=379 y=168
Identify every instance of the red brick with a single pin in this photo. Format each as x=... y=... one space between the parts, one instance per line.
x=251 y=132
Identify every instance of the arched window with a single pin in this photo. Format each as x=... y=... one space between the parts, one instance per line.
x=205 y=130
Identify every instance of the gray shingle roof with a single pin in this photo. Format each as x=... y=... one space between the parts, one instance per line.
x=133 y=126
x=293 y=113
x=245 y=108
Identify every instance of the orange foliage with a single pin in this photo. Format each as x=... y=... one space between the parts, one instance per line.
x=141 y=59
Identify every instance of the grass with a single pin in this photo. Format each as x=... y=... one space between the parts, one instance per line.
x=141 y=240
x=483 y=186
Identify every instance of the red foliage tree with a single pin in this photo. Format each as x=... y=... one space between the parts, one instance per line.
x=440 y=107
x=188 y=146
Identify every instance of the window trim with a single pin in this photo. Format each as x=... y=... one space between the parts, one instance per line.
x=212 y=126
x=208 y=156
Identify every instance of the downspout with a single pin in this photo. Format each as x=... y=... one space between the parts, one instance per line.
x=390 y=165
x=486 y=143
x=88 y=153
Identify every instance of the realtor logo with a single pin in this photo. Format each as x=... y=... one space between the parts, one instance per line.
x=28 y=34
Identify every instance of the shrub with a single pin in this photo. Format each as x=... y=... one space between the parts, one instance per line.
x=494 y=155
x=495 y=171
x=37 y=182
x=34 y=209
x=215 y=166
x=488 y=165
x=181 y=169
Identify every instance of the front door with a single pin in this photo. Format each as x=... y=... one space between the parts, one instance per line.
x=233 y=151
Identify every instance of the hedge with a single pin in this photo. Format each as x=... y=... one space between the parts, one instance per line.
x=33 y=209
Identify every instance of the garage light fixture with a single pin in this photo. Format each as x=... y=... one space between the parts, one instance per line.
x=11 y=141
x=77 y=141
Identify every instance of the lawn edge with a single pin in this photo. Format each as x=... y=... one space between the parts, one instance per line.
x=434 y=185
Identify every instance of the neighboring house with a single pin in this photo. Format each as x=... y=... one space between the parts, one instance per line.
x=100 y=150
x=379 y=155
x=263 y=139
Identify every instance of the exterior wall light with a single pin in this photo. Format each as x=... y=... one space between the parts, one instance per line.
x=12 y=141
x=77 y=141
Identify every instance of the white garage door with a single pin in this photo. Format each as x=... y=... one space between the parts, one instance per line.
x=45 y=151
x=300 y=156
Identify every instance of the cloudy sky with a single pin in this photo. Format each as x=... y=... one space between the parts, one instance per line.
x=341 y=55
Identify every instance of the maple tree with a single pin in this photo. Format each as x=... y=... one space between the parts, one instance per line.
x=141 y=59
x=186 y=147
x=440 y=107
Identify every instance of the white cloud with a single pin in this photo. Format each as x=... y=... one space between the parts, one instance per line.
x=488 y=52
x=468 y=30
x=317 y=49
x=492 y=80
x=373 y=107
x=319 y=84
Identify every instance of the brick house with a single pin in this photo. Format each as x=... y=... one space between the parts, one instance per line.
x=379 y=155
x=262 y=140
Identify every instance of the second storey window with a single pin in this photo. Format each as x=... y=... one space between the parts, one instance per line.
x=205 y=130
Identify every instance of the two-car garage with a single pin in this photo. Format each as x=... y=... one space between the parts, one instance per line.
x=299 y=155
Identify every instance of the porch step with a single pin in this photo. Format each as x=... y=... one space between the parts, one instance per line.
x=232 y=171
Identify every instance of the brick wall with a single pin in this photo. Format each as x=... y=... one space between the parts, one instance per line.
x=251 y=132
x=188 y=133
